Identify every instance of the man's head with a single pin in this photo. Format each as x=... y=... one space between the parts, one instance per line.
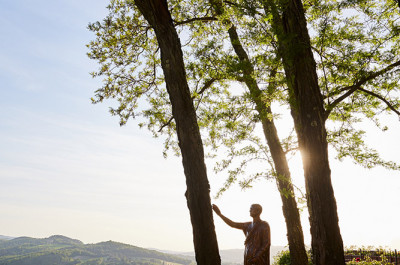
x=255 y=210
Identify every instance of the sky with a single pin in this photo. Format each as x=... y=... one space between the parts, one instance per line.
x=67 y=167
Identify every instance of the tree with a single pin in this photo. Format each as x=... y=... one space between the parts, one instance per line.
x=263 y=107
x=345 y=83
x=198 y=199
x=307 y=101
x=309 y=114
x=299 y=64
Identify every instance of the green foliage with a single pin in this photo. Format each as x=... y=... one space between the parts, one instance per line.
x=356 y=46
x=366 y=255
x=283 y=258
x=127 y=53
x=350 y=143
x=368 y=261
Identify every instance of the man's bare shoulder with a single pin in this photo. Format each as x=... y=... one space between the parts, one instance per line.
x=245 y=225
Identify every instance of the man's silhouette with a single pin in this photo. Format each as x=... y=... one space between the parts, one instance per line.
x=258 y=236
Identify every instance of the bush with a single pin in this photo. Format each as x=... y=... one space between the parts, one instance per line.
x=367 y=261
x=283 y=258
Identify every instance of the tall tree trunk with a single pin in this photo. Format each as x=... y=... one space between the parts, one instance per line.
x=198 y=190
x=308 y=114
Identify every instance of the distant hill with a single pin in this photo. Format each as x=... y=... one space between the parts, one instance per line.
x=61 y=250
x=5 y=237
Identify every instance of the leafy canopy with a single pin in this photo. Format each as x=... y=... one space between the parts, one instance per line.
x=356 y=48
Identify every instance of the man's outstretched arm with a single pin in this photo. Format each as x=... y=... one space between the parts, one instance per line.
x=227 y=220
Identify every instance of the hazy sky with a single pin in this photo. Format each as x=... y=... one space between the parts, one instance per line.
x=66 y=167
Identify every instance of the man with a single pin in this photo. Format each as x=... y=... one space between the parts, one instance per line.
x=258 y=236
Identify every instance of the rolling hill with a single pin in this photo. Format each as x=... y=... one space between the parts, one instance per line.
x=62 y=250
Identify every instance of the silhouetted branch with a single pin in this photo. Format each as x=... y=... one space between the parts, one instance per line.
x=206 y=86
x=357 y=86
x=390 y=106
x=166 y=124
x=177 y=23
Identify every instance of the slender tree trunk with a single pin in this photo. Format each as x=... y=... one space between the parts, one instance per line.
x=294 y=229
x=289 y=206
x=308 y=114
x=198 y=198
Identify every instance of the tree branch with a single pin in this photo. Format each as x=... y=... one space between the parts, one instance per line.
x=287 y=151
x=166 y=124
x=177 y=23
x=232 y=4
x=390 y=106
x=204 y=88
x=357 y=86
x=330 y=107
x=244 y=7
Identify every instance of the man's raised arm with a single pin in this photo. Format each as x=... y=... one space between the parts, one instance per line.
x=227 y=220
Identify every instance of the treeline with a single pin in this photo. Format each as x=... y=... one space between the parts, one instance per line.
x=61 y=250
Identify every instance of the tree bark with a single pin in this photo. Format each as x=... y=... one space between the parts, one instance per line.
x=308 y=114
x=198 y=190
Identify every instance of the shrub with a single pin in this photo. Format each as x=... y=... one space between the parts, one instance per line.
x=367 y=261
x=283 y=258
